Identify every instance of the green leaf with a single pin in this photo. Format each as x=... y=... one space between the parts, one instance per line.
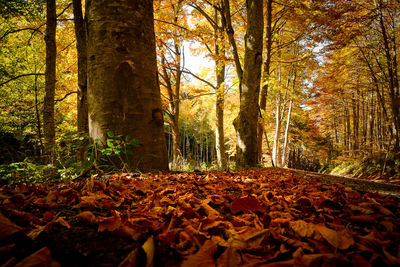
x=107 y=151
x=110 y=142
x=110 y=134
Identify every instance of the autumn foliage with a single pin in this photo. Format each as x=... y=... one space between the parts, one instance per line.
x=269 y=217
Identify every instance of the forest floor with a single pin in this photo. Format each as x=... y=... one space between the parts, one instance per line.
x=268 y=217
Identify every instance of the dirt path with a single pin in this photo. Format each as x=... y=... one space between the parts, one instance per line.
x=354 y=183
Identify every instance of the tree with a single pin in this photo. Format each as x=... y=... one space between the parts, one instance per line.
x=246 y=122
x=50 y=78
x=80 y=33
x=123 y=90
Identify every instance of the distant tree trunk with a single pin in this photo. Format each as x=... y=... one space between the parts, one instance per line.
x=247 y=120
x=220 y=92
x=266 y=73
x=50 y=81
x=123 y=90
x=80 y=33
x=286 y=134
x=278 y=122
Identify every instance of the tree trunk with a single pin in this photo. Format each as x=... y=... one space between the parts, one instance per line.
x=220 y=93
x=80 y=33
x=123 y=90
x=50 y=81
x=286 y=134
x=246 y=121
x=266 y=73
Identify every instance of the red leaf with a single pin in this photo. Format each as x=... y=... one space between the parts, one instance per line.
x=246 y=204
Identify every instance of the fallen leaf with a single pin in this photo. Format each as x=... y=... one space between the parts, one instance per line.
x=130 y=260
x=149 y=248
x=204 y=257
x=7 y=227
x=339 y=240
x=41 y=257
x=302 y=228
x=87 y=216
x=246 y=204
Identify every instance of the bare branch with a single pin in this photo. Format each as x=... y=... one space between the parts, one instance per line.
x=20 y=76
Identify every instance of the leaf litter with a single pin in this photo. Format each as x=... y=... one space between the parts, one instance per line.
x=269 y=217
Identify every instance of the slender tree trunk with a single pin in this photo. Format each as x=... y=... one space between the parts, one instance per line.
x=266 y=73
x=275 y=148
x=37 y=113
x=220 y=92
x=286 y=134
x=50 y=81
x=247 y=120
x=123 y=90
x=80 y=33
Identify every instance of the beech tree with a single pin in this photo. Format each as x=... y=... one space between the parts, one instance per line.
x=123 y=90
x=246 y=122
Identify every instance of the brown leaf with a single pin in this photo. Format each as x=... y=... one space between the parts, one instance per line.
x=302 y=228
x=87 y=216
x=363 y=219
x=231 y=257
x=204 y=257
x=339 y=240
x=246 y=204
x=149 y=248
x=41 y=257
x=110 y=223
x=130 y=260
x=7 y=227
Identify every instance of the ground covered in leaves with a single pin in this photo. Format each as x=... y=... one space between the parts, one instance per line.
x=268 y=217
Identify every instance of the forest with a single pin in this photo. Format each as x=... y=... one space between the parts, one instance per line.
x=199 y=133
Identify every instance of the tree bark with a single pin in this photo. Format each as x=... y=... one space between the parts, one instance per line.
x=286 y=134
x=123 y=90
x=266 y=73
x=80 y=33
x=50 y=81
x=220 y=92
x=246 y=121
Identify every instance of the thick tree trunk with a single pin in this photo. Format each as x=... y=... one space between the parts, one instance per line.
x=80 y=33
x=123 y=90
x=246 y=122
x=50 y=81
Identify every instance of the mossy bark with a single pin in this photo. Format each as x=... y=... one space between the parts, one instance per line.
x=123 y=90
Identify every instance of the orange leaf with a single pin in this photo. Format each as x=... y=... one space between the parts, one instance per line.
x=204 y=257
x=340 y=240
x=302 y=228
x=246 y=204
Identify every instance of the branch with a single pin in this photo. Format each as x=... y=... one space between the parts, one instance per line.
x=20 y=76
x=64 y=97
x=20 y=30
x=200 y=79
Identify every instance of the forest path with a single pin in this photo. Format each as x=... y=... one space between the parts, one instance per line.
x=354 y=183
